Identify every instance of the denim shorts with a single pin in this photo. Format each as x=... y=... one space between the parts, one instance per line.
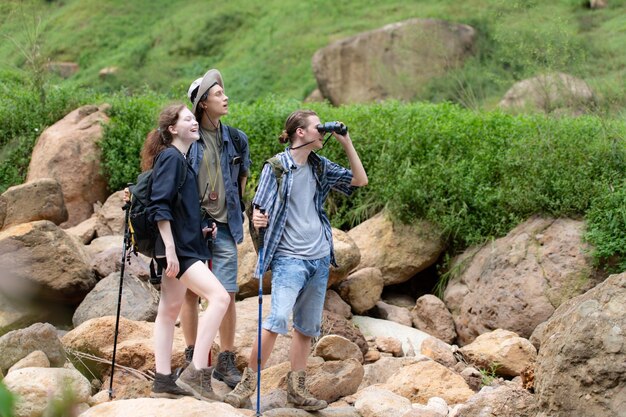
x=225 y=258
x=298 y=287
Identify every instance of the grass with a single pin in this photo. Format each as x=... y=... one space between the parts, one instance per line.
x=266 y=48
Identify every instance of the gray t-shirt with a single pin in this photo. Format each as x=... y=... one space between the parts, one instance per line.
x=303 y=237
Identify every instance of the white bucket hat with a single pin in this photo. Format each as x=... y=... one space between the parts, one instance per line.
x=202 y=85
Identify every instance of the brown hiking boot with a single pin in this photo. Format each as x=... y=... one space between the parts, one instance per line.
x=226 y=371
x=243 y=390
x=198 y=381
x=298 y=395
x=165 y=387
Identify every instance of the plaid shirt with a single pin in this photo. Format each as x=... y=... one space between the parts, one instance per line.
x=328 y=175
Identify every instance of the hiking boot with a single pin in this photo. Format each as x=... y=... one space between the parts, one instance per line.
x=226 y=371
x=188 y=354
x=165 y=387
x=297 y=394
x=243 y=390
x=198 y=381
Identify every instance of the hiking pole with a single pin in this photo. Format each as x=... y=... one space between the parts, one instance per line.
x=258 y=356
x=125 y=246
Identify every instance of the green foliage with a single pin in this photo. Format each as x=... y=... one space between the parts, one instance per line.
x=262 y=48
x=606 y=222
x=488 y=375
x=131 y=118
x=7 y=402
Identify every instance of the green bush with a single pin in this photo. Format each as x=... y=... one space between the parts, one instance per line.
x=606 y=222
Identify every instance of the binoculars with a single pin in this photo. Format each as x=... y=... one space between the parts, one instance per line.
x=330 y=127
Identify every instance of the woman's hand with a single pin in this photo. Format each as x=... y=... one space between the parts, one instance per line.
x=173 y=266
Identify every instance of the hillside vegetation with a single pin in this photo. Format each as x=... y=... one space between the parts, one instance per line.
x=266 y=47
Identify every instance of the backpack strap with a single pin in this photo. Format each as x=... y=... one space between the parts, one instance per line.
x=234 y=135
x=279 y=171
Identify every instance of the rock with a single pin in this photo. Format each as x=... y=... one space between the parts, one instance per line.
x=45 y=262
x=581 y=366
x=109 y=262
x=38 y=200
x=362 y=289
x=516 y=282
x=327 y=381
x=438 y=351
x=430 y=315
x=35 y=388
x=347 y=255
x=502 y=401
x=503 y=350
x=247 y=260
x=18 y=344
x=108 y=72
x=337 y=325
x=372 y=355
x=423 y=380
x=549 y=92
x=413 y=52
x=315 y=97
x=63 y=69
x=378 y=402
x=387 y=344
x=335 y=304
x=105 y=243
x=399 y=251
x=473 y=377
x=380 y=371
x=18 y=312
x=410 y=337
x=68 y=151
x=162 y=407
x=85 y=231
x=140 y=300
x=436 y=407
x=337 y=348
x=598 y=4
x=393 y=313
x=128 y=385
x=135 y=344
x=110 y=216
x=35 y=359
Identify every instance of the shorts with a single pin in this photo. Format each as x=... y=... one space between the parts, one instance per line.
x=184 y=263
x=298 y=287
x=224 y=255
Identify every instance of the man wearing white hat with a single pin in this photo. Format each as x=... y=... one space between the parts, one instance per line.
x=222 y=159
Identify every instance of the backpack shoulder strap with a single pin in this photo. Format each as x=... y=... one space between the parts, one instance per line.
x=279 y=170
x=234 y=135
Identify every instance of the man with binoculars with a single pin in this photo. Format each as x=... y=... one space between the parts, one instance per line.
x=298 y=245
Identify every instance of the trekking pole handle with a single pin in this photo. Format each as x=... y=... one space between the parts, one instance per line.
x=262 y=229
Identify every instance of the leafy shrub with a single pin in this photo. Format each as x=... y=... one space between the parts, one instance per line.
x=606 y=222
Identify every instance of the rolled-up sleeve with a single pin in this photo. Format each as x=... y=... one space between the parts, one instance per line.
x=338 y=177
x=165 y=176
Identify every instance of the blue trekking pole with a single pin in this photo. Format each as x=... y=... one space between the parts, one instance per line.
x=258 y=357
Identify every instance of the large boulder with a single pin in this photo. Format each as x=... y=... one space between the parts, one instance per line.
x=38 y=200
x=140 y=300
x=68 y=152
x=395 y=61
x=162 y=407
x=37 y=388
x=40 y=260
x=135 y=344
x=516 y=282
x=110 y=216
x=347 y=256
x=17 y=313
x=503 y=401
x=548 y=93
x=362 y=289
x=430 y=315
x=399 y=251
x=18 y=344
x=411 y=338
x=581 y=366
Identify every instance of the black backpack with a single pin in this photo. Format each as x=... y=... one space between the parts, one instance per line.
x=143 y=233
